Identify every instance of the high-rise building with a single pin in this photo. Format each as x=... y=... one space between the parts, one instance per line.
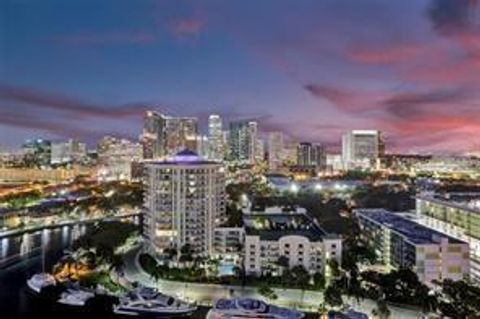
x=184 y=200
x=166 y=135
x=309 y=154
x=275 y=150
x=361 y=148
x=181 y=133
x=38 y=152
x=68 y=152
x=203 y=146
x=154 y=134
x=259 y=150
x=215 y=137
x=402 y=243
x=116 y=157
x=243 y=141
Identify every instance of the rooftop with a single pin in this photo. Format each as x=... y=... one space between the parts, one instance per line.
x=273 y=226
x=184 y=157
x=414 y=232
x=469 y=201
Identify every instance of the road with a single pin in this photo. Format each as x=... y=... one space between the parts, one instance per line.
x=204 y=294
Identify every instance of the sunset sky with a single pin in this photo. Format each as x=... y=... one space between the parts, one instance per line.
x=311 y=69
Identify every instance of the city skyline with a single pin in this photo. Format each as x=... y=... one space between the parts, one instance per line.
x=74 y=72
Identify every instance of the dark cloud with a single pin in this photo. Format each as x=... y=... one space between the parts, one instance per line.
x=450 y=16
x=412 y=104
x=35 y=99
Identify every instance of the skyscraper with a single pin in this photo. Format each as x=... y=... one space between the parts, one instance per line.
x=166 y=135
x=153 y=137
x=185 y=200
x=181 y=133
x=243 y=141
x=361 y=148
x=215 y=138
x=309 y=154
x=275 y=150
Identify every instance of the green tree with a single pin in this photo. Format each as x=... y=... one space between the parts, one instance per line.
x=333 y=296
x=319 y=281
x=267 y=292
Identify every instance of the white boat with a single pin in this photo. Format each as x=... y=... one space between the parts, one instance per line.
x=246 y=308
x=75 y=297
x=148 y=301
x=39 y=281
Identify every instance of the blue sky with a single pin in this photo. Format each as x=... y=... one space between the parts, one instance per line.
x=312 y=69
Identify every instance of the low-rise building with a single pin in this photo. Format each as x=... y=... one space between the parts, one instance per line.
x=292 y=237
x=457 y=215
x=228 y=242
x=403 y=243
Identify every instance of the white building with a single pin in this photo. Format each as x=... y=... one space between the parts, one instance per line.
x=290 y=236
x=184 y=202
x=215 y=137
x=403 y=243
x=243 y=141
x=275 y=150
x=457 y=215
x=361 y=148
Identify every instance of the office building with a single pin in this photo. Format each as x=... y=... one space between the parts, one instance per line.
x=68 y=152
x=311 y=155
x=166 y=135
x=37 y=152
x=184 y=202
x=289 y=236
x=215 y=137
x=243 y=141
x=402 y=243
x=154 y=135
x=275 y=150
x=181 y=133
x=457 y=215
x=116 y=157
x=203 y=146
x=362 y=148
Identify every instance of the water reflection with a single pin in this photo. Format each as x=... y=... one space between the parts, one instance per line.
x=4 y=248
x=25 y=245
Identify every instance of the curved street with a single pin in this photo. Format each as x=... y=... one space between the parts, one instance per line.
x=205 y=294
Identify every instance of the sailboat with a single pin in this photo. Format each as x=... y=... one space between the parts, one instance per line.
x=41 y=280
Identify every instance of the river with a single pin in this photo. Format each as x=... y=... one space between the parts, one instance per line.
x=21 y=257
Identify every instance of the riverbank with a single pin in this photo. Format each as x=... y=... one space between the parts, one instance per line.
x=32 y=229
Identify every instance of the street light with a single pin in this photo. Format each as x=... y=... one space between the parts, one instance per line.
x=294 y=188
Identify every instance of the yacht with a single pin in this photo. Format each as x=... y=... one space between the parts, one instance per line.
x=75 y=297
x=246 y=308
x=148 y=301
x=39 y=281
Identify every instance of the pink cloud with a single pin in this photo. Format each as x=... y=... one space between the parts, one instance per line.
x=187 y=27
x=381 y=55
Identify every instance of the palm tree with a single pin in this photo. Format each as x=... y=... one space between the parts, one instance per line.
x=333 y=296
